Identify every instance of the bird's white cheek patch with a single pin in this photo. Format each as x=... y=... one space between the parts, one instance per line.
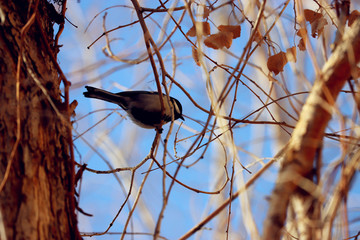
x=177 y=110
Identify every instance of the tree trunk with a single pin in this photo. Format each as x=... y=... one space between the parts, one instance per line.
x=36 y=168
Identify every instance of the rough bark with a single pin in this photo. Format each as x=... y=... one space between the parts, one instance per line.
x=37 y=200
x=309 y=132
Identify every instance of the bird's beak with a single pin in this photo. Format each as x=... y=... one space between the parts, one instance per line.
x=182 y=118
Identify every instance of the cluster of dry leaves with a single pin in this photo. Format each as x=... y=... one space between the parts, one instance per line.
x=221 y=39
x=317 y=22
x=276 y=62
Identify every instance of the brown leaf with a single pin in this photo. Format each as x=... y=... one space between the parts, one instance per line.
x=203 y=29
x=219 y=40
x=195 y=56
x=258 y=37
x=302 y=32
x=206 y=12
x=291 y=54
x=353 y=16
x=235 y=29
x=302 y=45
x=311 y=16
x=317 y=27
x=277 y=62
x=317 y=22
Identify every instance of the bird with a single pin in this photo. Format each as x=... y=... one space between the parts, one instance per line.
x=143 y=107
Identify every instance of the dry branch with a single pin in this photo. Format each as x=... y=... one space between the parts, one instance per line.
x=309 y=132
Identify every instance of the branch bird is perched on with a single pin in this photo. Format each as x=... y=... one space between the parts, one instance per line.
x=144 y=108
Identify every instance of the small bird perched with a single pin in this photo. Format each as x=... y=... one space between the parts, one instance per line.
x=144 y=108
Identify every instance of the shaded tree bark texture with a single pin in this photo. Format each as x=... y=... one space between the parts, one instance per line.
x=37 y=201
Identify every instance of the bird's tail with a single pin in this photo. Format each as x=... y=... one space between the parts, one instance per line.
x=97 y=93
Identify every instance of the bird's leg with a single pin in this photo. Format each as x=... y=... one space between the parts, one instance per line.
x=159 y=130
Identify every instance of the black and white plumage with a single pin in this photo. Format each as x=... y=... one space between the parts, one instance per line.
x=144 y=108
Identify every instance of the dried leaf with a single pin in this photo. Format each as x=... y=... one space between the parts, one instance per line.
x=317 y=22
x=206 y=12
x=353 y=16
x=277 y=62
x=258 y=37
x=191 y=32
x=219 y=40
x=203 y=29
x=302 y=45
x=311 y=16
x=317 y=27
x=302 y=32
x=235 y=29
x=291 y=54
x=195 y=56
